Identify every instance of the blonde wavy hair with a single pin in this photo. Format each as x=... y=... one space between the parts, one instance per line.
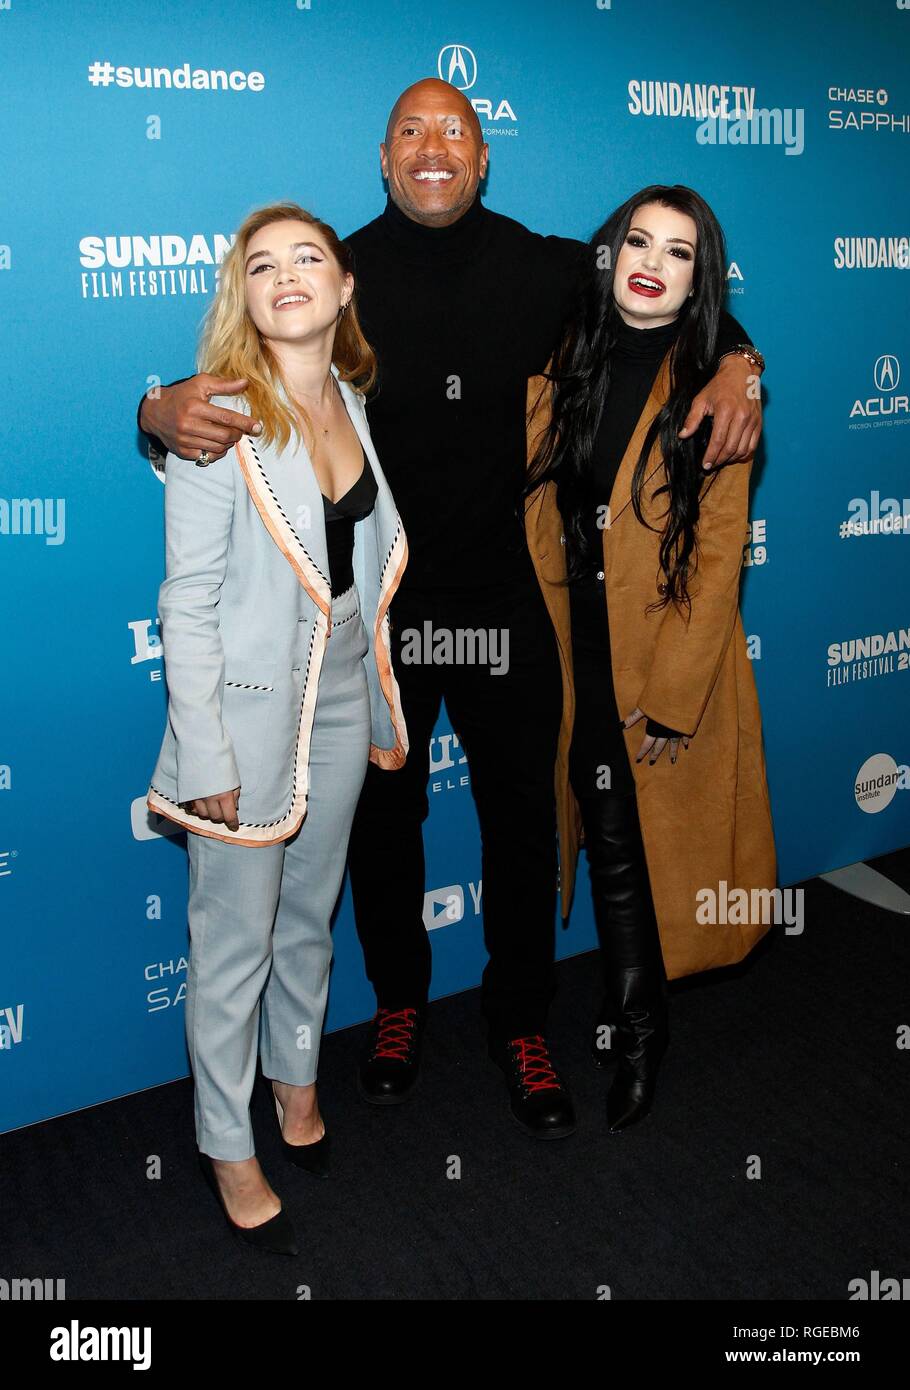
x=231 y=345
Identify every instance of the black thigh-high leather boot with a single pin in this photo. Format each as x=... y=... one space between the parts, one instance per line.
x=632 y=1025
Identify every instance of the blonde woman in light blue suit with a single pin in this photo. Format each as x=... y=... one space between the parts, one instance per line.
x=282 y=558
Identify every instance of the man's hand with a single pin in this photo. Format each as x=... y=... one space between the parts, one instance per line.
x=184 y=420
x=733 y=397
x=222 y=809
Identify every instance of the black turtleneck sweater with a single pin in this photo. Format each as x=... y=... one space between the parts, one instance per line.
x=459 y=317
x=597 y=740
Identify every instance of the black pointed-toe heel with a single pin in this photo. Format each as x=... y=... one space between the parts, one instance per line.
x=275 y=1235
x=312 y=1158
x=631 y=1096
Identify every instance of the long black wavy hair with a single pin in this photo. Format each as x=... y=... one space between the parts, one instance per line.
x=580 y=373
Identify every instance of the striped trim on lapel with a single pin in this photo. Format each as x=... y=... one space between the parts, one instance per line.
x=280 y=529
x=390 y=578
x=390 y=573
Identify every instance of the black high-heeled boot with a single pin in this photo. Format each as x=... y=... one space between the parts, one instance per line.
x=631 y=1027
x=643 y=1036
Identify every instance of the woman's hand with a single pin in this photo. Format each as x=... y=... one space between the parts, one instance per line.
x=221 y=808
x=652 y=745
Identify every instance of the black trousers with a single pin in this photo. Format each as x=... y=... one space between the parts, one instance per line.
x=508 y=726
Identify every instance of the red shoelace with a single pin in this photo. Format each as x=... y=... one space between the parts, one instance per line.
x=534 y=1064
x=395 y=1033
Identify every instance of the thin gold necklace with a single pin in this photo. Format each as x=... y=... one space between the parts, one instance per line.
x=325 y=428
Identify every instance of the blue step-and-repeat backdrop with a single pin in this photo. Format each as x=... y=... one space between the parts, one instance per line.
x=134 y=140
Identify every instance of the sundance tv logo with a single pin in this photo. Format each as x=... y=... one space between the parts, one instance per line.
x=871 y=253
x=720 y=101
x=12 y=1026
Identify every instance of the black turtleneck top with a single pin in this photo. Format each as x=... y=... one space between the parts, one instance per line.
x=597 y=739
x=459 y=317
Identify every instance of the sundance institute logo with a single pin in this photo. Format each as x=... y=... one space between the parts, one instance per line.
x=877 y=782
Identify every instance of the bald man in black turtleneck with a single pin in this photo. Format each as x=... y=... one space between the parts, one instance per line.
x=461 y=305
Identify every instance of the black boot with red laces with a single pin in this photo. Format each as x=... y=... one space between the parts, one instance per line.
x=390 y=1061
x=540 y=1102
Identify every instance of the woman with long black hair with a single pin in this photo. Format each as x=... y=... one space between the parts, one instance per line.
x=638 y=550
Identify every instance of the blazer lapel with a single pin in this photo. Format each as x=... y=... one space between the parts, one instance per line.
x=287 y=497
x=356 y=409
x=386 y=520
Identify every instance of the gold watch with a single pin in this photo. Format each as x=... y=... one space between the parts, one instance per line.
x=750 y=353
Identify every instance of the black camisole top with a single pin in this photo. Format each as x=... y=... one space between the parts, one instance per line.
x=340 y=516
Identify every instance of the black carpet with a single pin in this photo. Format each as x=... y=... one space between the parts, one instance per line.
x=792 y=1057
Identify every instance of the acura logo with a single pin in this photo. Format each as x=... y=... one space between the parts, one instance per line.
x=886 y=373
x=457 y=65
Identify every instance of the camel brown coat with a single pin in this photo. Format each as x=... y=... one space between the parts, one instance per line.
x=706 y=821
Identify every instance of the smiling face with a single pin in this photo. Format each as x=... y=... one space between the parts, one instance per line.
x=433 y=155
x=655 y=266
x=294 y=285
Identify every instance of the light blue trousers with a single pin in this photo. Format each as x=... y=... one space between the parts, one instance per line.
x=260 y=942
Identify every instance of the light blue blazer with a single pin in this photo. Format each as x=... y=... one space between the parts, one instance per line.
x=246 y=611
